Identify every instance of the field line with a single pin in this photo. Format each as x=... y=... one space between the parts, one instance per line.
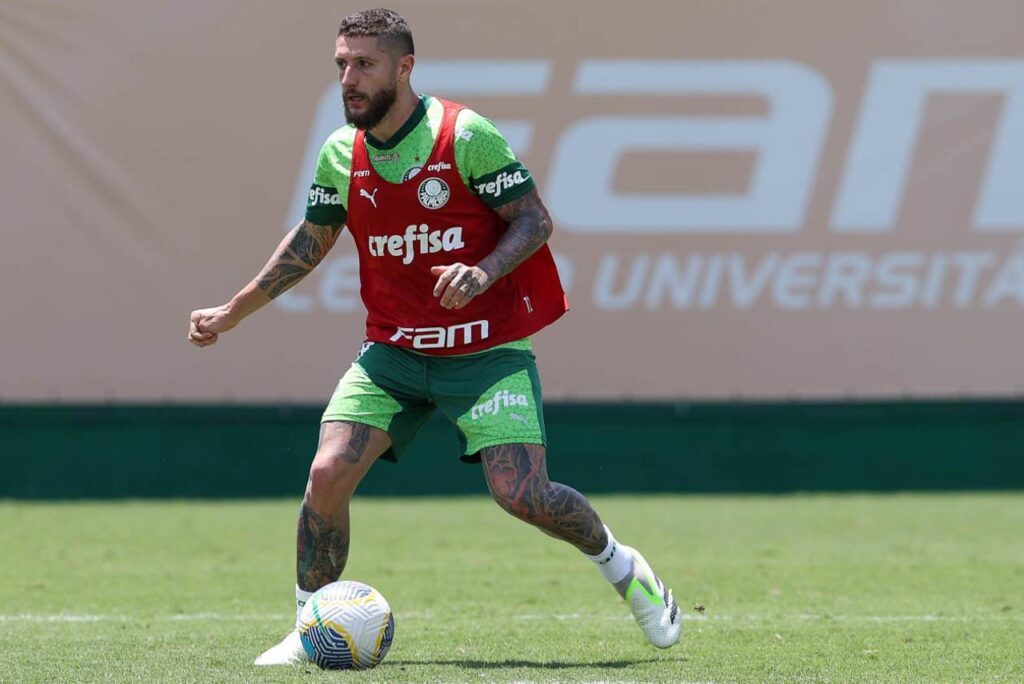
x=800 y=617
x=281 y=617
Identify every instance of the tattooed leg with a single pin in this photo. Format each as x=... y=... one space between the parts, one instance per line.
x=322 y=548
x=344 y=455
x=517 y=477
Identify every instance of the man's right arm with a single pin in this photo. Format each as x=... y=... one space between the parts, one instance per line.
x=299 y=252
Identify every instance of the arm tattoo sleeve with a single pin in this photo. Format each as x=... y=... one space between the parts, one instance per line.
x=296 y=256
x=529 y=227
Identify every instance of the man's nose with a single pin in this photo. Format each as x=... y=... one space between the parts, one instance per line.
x=348 y=76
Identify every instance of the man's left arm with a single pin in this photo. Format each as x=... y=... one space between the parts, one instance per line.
x=529 y=227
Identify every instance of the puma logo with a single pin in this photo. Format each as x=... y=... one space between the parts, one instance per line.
x=372 y=198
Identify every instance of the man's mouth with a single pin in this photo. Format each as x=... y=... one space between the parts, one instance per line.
x=355 y=99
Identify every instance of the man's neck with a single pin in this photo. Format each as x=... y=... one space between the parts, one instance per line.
x=405 y=105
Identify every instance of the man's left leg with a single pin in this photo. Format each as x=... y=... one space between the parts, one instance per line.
x=517 y=478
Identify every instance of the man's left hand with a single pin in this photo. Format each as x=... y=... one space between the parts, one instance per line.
x=458 y=284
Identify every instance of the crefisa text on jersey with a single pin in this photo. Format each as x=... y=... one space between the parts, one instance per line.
x=417 y=239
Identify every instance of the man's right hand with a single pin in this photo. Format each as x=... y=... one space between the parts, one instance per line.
x=205 y=325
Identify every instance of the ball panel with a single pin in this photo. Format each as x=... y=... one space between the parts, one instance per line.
x=384 y=640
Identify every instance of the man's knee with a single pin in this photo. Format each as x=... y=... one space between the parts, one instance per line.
x=345 y=453
x=524 y=499
x=331 y=474
x=517 y=478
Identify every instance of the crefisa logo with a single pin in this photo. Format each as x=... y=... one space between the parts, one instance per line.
x=433 y=193
x=502 y=399
x=319 y=195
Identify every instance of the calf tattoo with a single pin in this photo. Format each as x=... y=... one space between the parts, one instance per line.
x=322 y=550
x=517 y=477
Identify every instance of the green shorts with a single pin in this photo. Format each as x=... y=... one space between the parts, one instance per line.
x=492 y=397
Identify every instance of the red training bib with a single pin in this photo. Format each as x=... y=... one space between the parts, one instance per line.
x=403 y=229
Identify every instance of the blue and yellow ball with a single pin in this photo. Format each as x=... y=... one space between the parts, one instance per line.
x=346 y=626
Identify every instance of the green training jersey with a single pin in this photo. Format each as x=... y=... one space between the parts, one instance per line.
x=481 y=154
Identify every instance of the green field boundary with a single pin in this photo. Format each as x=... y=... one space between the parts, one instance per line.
x=121 y=450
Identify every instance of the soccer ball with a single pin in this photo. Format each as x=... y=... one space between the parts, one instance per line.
x=346 y=626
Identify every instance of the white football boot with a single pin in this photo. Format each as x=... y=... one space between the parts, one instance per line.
x=651 y=603
x=288 y=652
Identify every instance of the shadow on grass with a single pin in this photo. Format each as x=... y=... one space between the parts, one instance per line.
x=536 y=664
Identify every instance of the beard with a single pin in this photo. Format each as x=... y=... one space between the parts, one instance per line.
x=377 y=107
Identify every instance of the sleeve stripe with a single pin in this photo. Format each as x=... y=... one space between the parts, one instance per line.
x=504 y=185
x=325 y=205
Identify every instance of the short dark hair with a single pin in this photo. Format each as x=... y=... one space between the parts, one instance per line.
x=388 y=26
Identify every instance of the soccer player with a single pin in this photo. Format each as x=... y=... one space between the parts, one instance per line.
x=455 y=276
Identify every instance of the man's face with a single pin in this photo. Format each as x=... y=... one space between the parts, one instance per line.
x=369 y=79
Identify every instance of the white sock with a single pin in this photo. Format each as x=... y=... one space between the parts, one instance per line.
x=615 y=561
x=301 y=596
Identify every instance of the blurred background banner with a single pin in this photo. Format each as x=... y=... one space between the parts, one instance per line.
x=800 y=200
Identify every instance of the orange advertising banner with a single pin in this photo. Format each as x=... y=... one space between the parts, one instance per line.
x=751 y=200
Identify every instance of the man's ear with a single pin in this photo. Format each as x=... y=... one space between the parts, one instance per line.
x=405 y=65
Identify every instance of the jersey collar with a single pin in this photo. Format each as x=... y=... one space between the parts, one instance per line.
x=410 y=123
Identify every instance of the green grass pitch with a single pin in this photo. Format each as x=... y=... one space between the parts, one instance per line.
x=909 y=588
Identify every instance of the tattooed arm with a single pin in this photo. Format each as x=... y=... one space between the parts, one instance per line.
x=300 y=251
x=529 y=227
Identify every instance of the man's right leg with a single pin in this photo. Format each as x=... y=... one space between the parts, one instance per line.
x=344 y=455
